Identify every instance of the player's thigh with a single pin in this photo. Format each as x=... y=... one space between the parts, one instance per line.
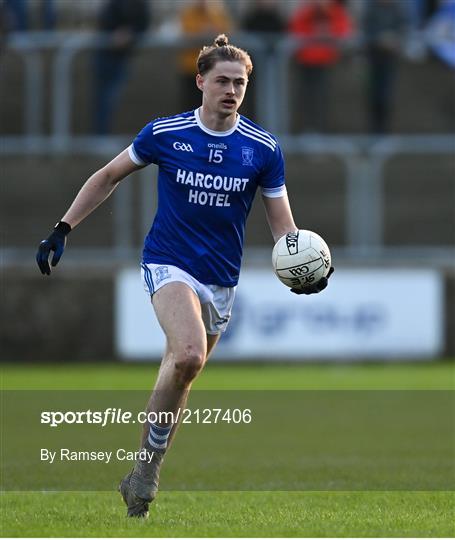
x=178 y=310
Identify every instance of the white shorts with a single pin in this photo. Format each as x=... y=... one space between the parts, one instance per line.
x=216 y=302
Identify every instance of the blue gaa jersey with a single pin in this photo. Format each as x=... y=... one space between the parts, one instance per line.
x=206 y=185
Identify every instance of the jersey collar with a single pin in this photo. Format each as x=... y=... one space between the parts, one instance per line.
x=211 y=131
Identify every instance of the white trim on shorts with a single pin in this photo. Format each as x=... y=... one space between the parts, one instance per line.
x=216 y=302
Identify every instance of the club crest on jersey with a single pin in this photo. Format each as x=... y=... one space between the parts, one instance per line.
x=161 y=273
x=247 y=155
x=185 y=147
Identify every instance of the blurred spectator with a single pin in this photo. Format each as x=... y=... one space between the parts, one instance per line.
x=384 y=25
x=17 y=15
x=123 y=21
x=264 y=19
x=440 y=33
x=19 y=18
x=48 y=14
x=3 y=30
x=416 y=11
x=440 y=37
x=204 y=19
x=429 y=8
x=324 y=23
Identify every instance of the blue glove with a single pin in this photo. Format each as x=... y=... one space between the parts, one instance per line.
x=56 y=243
x=315 y=287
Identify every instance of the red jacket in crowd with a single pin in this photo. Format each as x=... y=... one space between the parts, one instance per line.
x=321 y=20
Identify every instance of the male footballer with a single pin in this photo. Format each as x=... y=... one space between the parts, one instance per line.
x=211 y=162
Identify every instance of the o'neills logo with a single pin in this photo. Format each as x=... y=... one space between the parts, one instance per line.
x=292 y=241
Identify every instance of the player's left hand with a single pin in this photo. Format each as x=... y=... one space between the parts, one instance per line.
x=315 y=287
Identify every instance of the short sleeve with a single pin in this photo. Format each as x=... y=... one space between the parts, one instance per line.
x=144 y=149
x=271 y=179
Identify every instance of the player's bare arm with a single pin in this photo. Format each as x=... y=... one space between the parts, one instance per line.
x=279 y=215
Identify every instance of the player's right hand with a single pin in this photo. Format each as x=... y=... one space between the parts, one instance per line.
x=316 y=287
x=55 y=242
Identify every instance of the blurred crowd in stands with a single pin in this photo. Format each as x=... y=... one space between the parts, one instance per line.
x=382 y=30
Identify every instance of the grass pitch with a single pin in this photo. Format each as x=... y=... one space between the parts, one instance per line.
x=248 y=514
x=223 y=514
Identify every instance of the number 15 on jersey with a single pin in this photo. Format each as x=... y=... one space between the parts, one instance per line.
x=215 y=156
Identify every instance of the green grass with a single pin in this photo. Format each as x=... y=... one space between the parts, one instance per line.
x=134 y=376
x=248 y=514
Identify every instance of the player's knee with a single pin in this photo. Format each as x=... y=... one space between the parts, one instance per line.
x=188 y=363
